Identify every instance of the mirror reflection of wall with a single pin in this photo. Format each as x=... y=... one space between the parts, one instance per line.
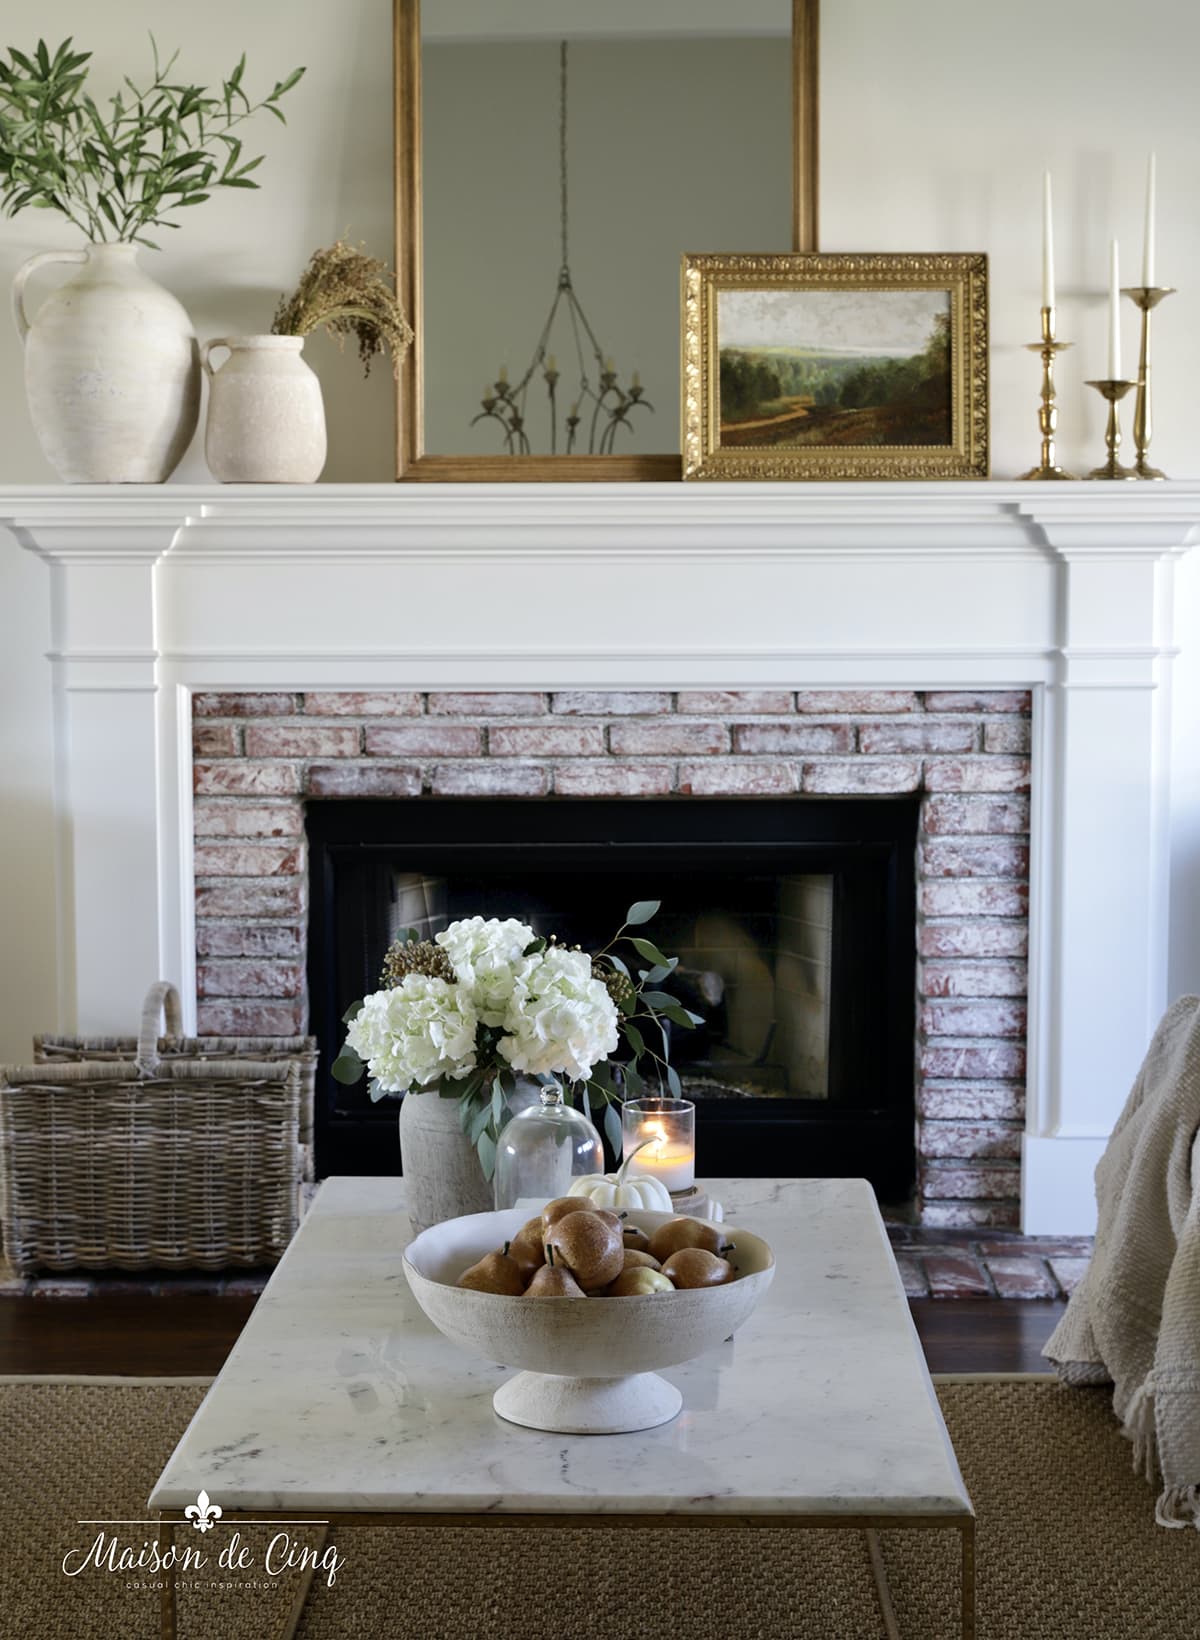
x=679 y=139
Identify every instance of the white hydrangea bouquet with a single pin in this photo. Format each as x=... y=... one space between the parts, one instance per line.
x=487 y=1000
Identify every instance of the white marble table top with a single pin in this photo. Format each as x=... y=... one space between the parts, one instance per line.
x=340 y=1395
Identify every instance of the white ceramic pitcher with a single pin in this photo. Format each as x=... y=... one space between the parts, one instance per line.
x=266 y=417
x=111 y=369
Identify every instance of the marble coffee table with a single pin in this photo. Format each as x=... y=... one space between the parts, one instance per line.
x=341 y=1403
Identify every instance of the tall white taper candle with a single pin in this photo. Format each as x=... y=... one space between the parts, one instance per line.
x=1047 y=244
x=1114 y=314
x=1148 y=247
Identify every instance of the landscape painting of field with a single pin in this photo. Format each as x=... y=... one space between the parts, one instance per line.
x=834 y=368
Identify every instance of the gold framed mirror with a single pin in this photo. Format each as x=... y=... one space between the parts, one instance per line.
x=519 y=123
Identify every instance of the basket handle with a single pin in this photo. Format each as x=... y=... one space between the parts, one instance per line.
x=162 y=1005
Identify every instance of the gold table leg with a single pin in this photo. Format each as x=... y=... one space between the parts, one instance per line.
x=168 y=1616
x=292 y=1621
x=968 y=1580
x=886 y=1605
x=879 y=1571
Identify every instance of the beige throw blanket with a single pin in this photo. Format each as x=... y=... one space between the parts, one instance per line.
x=1134 y=1319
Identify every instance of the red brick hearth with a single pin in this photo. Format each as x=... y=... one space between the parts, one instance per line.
x=259 y=756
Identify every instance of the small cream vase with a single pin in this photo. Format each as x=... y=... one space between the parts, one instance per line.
x=266 y=418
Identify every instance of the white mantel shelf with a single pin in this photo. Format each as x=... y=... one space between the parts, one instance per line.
x=1063 y=589
x=611 y=519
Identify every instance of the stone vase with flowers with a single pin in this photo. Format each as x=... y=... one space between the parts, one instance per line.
x=471 y=1025
x=111 y=368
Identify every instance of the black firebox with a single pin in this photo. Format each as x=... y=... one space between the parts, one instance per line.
x=793 y=921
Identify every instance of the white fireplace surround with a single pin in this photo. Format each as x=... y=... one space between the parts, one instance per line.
x=1066 y=590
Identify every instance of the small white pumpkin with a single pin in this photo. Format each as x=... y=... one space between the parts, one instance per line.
x=620 y=1189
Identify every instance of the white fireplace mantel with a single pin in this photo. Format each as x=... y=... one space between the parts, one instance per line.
x=1065 y=589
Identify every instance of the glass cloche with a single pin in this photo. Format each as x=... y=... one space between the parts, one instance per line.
x=543 y=1148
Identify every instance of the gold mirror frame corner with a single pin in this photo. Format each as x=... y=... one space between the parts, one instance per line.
x=412 y=462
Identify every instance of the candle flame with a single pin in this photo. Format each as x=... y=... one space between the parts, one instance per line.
x=656 y=1132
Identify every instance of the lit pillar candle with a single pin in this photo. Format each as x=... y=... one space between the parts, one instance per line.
x=671 y=1162
x=1114 y=315
x=1148 y=244
x=662 y=1132
x=1047 y=244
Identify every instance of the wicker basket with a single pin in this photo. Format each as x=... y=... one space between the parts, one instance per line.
x=163 y=1000
x=175 y=1161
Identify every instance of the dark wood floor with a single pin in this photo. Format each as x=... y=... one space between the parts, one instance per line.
x=985 y=1334
x=180 y=1335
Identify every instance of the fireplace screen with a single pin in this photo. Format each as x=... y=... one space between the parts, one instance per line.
x=755 y=959
x=792 y=922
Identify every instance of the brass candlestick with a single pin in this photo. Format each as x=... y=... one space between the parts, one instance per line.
x=1048 y=413
x=1146 y=298
x=1113 y=391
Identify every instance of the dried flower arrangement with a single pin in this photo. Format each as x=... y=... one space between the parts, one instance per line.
x=350 y=294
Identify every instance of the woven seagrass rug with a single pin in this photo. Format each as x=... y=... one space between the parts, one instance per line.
x=1067 y=1546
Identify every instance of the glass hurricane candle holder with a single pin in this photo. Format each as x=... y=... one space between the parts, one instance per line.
x=543 y=1149
x=663 y=1132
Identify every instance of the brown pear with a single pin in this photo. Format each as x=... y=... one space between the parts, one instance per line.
x=677 y=1233
x=589 y=1247
x=561 y=1206
x=526 y=1248
x=495 y=1273
x=634 y=1260
x=635 y=1239
x=554 y=1281
x=637 y=1281
x=695 y=1267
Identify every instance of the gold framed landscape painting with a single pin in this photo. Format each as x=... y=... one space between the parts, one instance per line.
x=835 y=367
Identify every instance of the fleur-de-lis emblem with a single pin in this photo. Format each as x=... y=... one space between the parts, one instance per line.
x=202 y=1513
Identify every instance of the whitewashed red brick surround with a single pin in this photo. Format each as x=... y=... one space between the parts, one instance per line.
x=259 y=756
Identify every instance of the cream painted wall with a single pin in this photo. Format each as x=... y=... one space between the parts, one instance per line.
x=936 y=126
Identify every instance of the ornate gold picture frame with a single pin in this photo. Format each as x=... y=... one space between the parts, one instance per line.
x=835 y=367
x=413 y=460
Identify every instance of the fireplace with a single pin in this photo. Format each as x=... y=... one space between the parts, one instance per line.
x=1001 y=652
x=265 y=761
x=793 y=921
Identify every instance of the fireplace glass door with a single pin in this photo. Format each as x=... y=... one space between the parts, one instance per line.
x=792 y=921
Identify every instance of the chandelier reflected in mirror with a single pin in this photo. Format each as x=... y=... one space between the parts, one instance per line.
x=598 y=407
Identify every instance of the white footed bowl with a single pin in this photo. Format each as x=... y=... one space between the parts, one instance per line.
x=588 y=1364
